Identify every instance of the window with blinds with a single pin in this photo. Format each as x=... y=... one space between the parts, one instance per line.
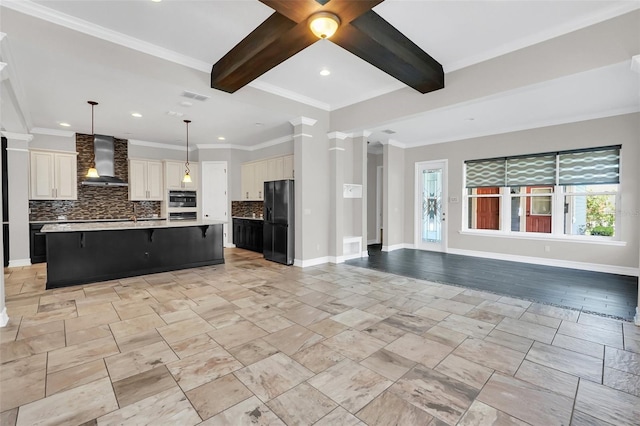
x=569 y=192
x=579 y=167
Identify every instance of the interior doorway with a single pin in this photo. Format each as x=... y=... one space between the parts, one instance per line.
x=215 y=203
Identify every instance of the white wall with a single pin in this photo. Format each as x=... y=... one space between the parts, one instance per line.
x=145 y=152
x=394 y=204
x=622 y=130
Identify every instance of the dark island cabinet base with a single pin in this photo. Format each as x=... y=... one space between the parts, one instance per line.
x=93 y=256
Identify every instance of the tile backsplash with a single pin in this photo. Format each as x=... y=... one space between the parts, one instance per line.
x=246 y=208
x=95 y=202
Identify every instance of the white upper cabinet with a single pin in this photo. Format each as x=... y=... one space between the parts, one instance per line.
x=145 y=180
x=174 y=172
x=53 y=176
x=260 y=177
x=253 y=175
x=287 y=167
x=275 y=169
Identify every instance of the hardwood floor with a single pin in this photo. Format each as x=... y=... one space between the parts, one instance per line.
x=593 y=292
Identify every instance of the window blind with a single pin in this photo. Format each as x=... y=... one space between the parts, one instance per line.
x=485 y=173
x=531 y=170
x=579 y=167
x=590 y=167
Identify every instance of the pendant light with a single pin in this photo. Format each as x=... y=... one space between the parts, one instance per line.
x=187 y=176
x=93 y=172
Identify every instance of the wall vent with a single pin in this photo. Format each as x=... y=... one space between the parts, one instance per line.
x=194 y=95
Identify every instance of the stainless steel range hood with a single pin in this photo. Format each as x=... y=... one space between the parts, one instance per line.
x=103 y=150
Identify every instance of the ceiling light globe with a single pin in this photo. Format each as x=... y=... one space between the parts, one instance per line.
x=186 y=178
x=324 y=24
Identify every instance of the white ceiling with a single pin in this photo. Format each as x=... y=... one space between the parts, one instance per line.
x=140 y=56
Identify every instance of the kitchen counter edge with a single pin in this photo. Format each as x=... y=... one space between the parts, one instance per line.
x=115 y=226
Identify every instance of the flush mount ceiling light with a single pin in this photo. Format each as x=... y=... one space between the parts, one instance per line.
x=136 y=114
x=92 y=172
x=187 y=176
x=324 y=24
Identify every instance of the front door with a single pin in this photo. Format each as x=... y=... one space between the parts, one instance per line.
x=431 y=203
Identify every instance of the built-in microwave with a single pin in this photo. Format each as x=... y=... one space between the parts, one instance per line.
x=182 y=199
x=183 y=216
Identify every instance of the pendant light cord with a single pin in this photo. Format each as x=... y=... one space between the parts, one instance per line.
x=187 y=171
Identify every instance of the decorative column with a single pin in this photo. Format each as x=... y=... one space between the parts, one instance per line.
x=336 y=203
x=303 y=173
x=393 y=203
x=18 y=171
x=360 y=142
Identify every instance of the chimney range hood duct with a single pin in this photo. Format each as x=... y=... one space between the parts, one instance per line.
x=103 y=151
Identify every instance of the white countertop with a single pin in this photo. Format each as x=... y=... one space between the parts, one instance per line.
x=91 y=220
x=107 y=226
x=249 y=218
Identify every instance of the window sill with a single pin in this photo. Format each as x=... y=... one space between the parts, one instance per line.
x=544 y=237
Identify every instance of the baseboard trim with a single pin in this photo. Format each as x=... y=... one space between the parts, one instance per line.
x=229 y=245
x=18 y=263
x=364 y=254
x=4 y=318
x=336 y=259
x=397 y=247
x=594 y=267
x=310 y=262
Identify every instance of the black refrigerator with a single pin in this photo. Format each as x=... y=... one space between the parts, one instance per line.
x=278 y=227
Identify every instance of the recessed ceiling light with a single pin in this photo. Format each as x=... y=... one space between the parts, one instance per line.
x=222 y=138
x=186 y=104
x=65 y=124
x=156 y=1
x=325 y=72
x=136 y=114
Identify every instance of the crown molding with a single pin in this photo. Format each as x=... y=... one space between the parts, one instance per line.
x=159 y=145
x=279 y=91
x=337 y=135
x=303 y=120
x=53 y=132
x=50 y=15
x=361 y=134
x=17 y=136
x=394 y=142
x=267 y=144
x=560 y=30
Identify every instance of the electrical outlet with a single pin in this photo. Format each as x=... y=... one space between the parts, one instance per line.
x=454 y=200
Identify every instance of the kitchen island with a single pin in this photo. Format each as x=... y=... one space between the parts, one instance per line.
x=80 y=253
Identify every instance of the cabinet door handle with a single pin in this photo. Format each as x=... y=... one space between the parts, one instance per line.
x=247 y=195
x=259 y=194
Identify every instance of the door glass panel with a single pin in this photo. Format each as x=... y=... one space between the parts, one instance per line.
x=432 y=205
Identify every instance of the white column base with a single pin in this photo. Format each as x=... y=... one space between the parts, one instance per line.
x=17 y=263
x=4 y=318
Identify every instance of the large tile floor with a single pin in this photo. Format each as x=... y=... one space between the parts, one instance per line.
x=253 y=342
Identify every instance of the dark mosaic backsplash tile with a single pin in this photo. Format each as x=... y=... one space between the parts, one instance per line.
x=96 y=202
x=246 y=208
